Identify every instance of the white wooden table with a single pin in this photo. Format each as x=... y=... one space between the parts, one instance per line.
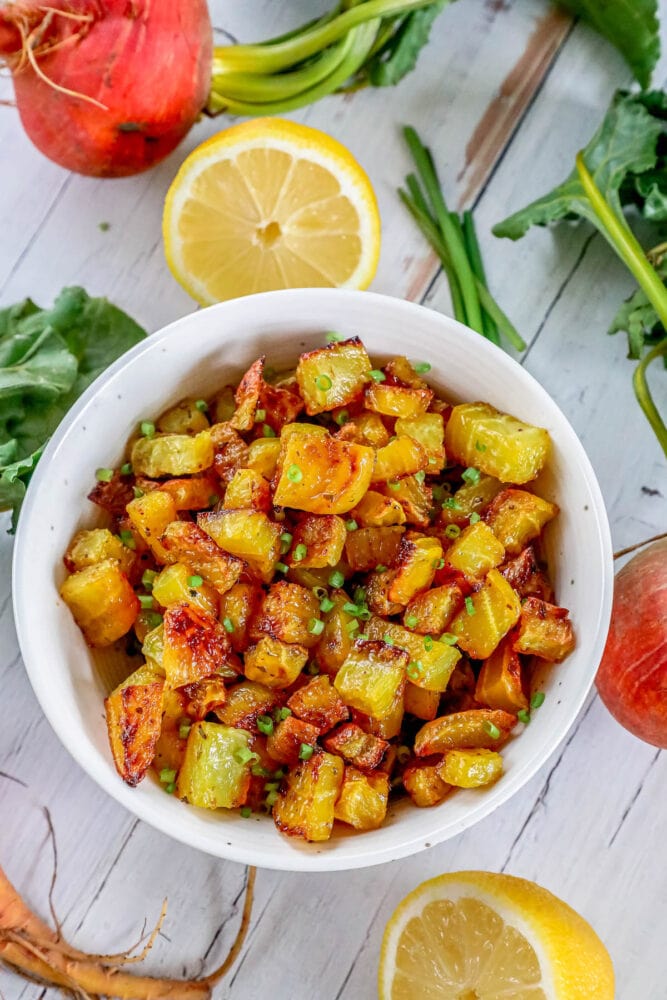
x=506 y=93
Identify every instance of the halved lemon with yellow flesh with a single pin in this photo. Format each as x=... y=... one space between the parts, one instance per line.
x=480 y=936
x=270 y=204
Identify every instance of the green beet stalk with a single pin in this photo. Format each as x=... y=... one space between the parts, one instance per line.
x=454 y=287
x=628 y=248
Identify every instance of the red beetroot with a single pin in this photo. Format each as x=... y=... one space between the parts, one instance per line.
x=137 y=74
x=632 y=679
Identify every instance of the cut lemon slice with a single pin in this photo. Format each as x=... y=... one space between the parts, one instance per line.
x=480 y=936
x=270 y=204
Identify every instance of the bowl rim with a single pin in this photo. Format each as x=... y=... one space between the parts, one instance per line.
x=333 y=860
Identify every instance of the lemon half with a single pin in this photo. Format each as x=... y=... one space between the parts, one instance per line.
x=270 y=204
x=480 y=936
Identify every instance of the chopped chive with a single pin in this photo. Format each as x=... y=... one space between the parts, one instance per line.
x=153 y=619
x=334 y=338
x=137 y=492
x=146 y=602
x=243 y=755
x=470 y=607
x=352 y=626
x=411 y=621
x=351 y=525
x=394 y=486
x=305 y=751
x=282 y=567
x=323 y=382
x=313 y=669
x=432 y=460
x=474 y=517
x=380 y=568
x=420 y=476
x=364 y=614
x=279 y=774
x=195 y=581
x=201 y=405
x=284 y=712
x=479 y=446
x=104 y=475
x=316 y=626
x=448 y=638
x=246 y=812
x=360 y=595
x=377 y=375
x=320 y=593
x=402 y=754
x=440 y=563
x=422 y=367
x=228 y=624
x=336 y=579
x=471 y=475
x=260 y=416
x=147 y=578
x=184 y=730
x=523 y=716
x=258 y=771
x=415 y=669
x=127 y=538
x=452 y=531
x=213 y=499
x=170 y=788
x=286 y=540
x=271 y=786
x=342 y=417
x=537 y=699
x=492 y=730
x=326 y=604
x=271 y=799
x=300 y=552
x=350 y=608
x=126 y=469
x=294 y=474
x=167 y=774
x=363 y=637
x=451 y=503
x=267 y=431
x=147 y=428
x=428 y=643
x=388 y=639
x=265 y=724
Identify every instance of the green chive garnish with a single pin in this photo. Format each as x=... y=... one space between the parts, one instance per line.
x=268 y=432
x=380 y=568
x=284 y=712
x=147 y=428
x=282 y=567
x=104 y=475
x=492 y=730
x=148 y=578
x=286 y=541
x=342 y=417
x=201 y=405
x=394 y=486
x=195 y=581
x=537 y=699
x=127 y=538
x=243 y=755
x=377 y=375
x=415 y=669
x=258 y=771
x=167 y=775
x=294 y=474
x=523 y=716
x=387 y=639
x=305 y=751
x=260 y=416
x=316 y=626
x=228 y=624
x=470 y=607
x=471 y=476
x=300 y=552
x=271 y=799
x=411 y=621
x=184 y=730
x=126 y=470
x=474 y=517
x=334 y=338
x=452 y=531
x=336 y=579
x=246 y=812
x=479 y=446
x=448 y=638
x=428 y=643
x=136 y=492
x=323 y=382
x=422 y=367
x=451 y=503
x=146 y=602
x=351 y=525
x=420 y=476
x=170 y=788
x=326 y=604
x=213 y=499
x=265 y=724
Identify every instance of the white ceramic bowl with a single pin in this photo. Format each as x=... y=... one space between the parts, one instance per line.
x=196 y=355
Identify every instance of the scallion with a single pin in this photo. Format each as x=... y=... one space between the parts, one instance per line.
x=147 y=428
x=104 y=475
x=323 y=383
x=294 y=474
x=537 y=699
x=228 y=624
x=452 y=531
x=316 y=626
x=492 y=730
x=471 y=475
x=377 y=375
x=300 y=552
x=470 y=607
x=336 y=579
x=195 y=581
x=265 y=724
x=305 y=751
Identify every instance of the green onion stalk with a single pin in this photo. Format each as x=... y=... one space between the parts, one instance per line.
x=617 y=232
x=341 y=50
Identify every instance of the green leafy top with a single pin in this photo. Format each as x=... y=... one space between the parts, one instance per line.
x=618 y=156
x=631 y=25
x=47 y=358
x=398 y=55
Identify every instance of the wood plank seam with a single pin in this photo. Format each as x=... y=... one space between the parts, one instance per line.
x=33 y=236
x=631 y=803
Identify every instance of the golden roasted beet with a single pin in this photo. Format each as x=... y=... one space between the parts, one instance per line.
x=247 y=534
x=317 y=541
x=174 y=585
x=322 y=475
x=289 y=737
x=184 y=418
x=488 y=615
x=90 y=547
x=247 y=396
x=526 y=576
x=397 y=401
x=248 y=490
x=213 y=774
x=401 y=457
x=286 y=613
x=134 y=716
x=185 y=542
x=416 y=564
x=274 y=663
x=195 y=645
x=318 y=703
x=237 y=608
x=475 y=551
x=429 y=430
x=517 y=517
x=150 y=515
x=204 y=696
x=367 y=548
x=363 y=799
x=544 y=630
x=471 y=498
x=471 y=768
x=421 y=703
x=424 y=785
x=430 y=662
x=366 y=428
x=192 y=493
x=305 y=805
x=496 y=443
x=333 y=376
x=360 y=748
x=172 y=454
x=246 y=701
x=415 y=497
x=231 y=451
x=372 y=677
x=377 y=511
x=102 y=602
x=263 y=456
x=500 y=682
x=431 y=611
x=478 y=727
x=335 y=641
